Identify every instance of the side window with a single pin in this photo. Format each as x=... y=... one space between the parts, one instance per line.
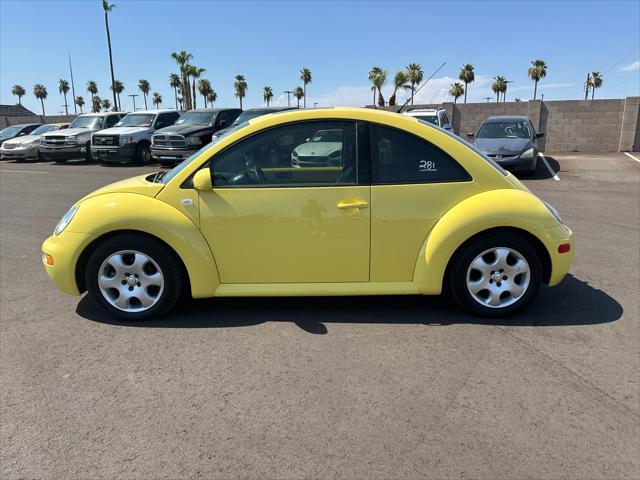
x=166 y=119
x=226 y=118
x=445 y=119
x=299 y=154
x=111 y=121
x=400 y=157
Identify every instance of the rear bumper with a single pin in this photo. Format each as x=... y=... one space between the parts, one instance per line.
x=170 y=155
x=519 y=164
x=63 y=152
x=65 y=250
x=115 y=154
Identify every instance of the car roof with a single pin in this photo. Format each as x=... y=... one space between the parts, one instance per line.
x=59 y=124
x=507 y=118
x=162 y=110
x=210 y=110
x=22 y=125
x=270 y=109
x=423 y=110
x=100 y=114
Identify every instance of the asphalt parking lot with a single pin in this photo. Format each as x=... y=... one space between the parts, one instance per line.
x=366 y=387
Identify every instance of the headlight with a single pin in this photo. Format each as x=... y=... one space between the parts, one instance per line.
x=553 y=211
x=193 y=141
x=65 y=220
x=527 y=153
x=126 y=139
x=294 y=154
x=71 y=141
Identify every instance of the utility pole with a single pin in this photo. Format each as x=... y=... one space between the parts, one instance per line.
x=288 y=92
x=133 y=96
x=73 y=87
x=586 y=87
x=487 y=99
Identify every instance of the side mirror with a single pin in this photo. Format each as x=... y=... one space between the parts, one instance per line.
x=202 y=180
x=539 y=135
x=22 y=133
x=307 y=139
x=471 y=134
x=447 y=126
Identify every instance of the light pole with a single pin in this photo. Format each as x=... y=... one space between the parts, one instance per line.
x=133 y=96
x=504 y=95
x=487 y=99
x=288 y=92
x=315 y=104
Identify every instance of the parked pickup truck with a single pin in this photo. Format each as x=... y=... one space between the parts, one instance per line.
x=130 y=139
x=75 y=141
x=190 y=132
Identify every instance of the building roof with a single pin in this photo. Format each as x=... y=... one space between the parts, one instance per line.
x=14 y=111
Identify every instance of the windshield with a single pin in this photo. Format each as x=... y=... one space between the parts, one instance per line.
x=195 y=118
x=86 y=122
x=432 y=119
x=504 y=130
x=468 y=145
x=136 y=120
x=248 y=115
x=9 y=131
x=44 y=129
x=327 y=136
x=168 y=176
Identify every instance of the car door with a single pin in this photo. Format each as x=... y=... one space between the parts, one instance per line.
x=281 y=224
x=413 y=183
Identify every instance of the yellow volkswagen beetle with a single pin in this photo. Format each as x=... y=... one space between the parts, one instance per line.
x=395 y=206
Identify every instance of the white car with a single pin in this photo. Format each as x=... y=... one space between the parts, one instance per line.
x=435 y=116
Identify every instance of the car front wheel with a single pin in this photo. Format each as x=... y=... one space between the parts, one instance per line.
x=495 y=275
x=133 y=277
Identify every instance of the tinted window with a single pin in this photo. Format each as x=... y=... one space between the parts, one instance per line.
x=290 y=155
x=400 y=157
x=111 y=121
x=445 y=118
x=227 y=116
x=29 y=128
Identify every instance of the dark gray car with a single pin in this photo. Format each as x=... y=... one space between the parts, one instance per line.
x=510 y=140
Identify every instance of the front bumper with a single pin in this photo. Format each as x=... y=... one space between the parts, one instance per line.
x=20 y=153
x=114 y=154
x=170 y=155
x=552 y=238
x=63 y=152
x=65 y=250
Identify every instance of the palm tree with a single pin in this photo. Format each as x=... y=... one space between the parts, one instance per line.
x=537 y=71
x=181 y=102
x=118 y=88
x=373 y=74
x=298 y=93
x=305 y=76
x=80 y=102
x=415 y=74
x=174 y=82
x=40 y=91
x=106 y=104
x=378 y=82
x=182 y=58
x=399 y=81
x=456 y=91
x=467 y=76
x=499 y=86
x=156 y=99
x=212 y=96
x=267 y=95
x=63 y=88
x=144 y=87
x=240 y=88
x=595 y=82
x=96 y=104
x=92 y=88
x=108 y=8
x=18 y=91
x=195 y=72
x=204 y=87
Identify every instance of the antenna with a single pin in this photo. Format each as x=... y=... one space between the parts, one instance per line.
x=73 y=87
x=420 y=87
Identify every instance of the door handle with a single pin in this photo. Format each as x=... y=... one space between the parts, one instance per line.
x=352 y=204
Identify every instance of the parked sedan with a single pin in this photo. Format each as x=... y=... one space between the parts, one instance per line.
x=510 y=141
x=412 y=209
x=27 y=146
x=190 y=132
x=323 y=149
x=17 y=131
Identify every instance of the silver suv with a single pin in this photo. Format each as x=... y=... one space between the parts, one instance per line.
x=75 y=141
x=130 y=139
x=436 y=116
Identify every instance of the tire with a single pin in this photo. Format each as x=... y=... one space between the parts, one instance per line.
x=87 y=155
x=152 y=276
x=143 y=153
x=481 y=290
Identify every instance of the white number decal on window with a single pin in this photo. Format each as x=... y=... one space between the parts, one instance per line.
x=428 y=166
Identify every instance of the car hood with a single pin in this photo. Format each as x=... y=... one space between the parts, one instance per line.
x=24 y=139
x=185 y=129
x=124 y=130
x=67 y=132
x=317 y=149
x=504 y=146
x=138 y=184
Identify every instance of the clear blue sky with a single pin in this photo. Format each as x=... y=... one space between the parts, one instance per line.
x=269 y=42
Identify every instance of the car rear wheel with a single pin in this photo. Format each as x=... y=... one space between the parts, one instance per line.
x=495 y=275
x=133 y=277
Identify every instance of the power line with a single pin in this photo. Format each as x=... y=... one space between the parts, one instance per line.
x=624 y=55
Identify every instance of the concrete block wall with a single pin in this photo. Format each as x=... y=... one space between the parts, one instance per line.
x=8 y=121
x=607 y=125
